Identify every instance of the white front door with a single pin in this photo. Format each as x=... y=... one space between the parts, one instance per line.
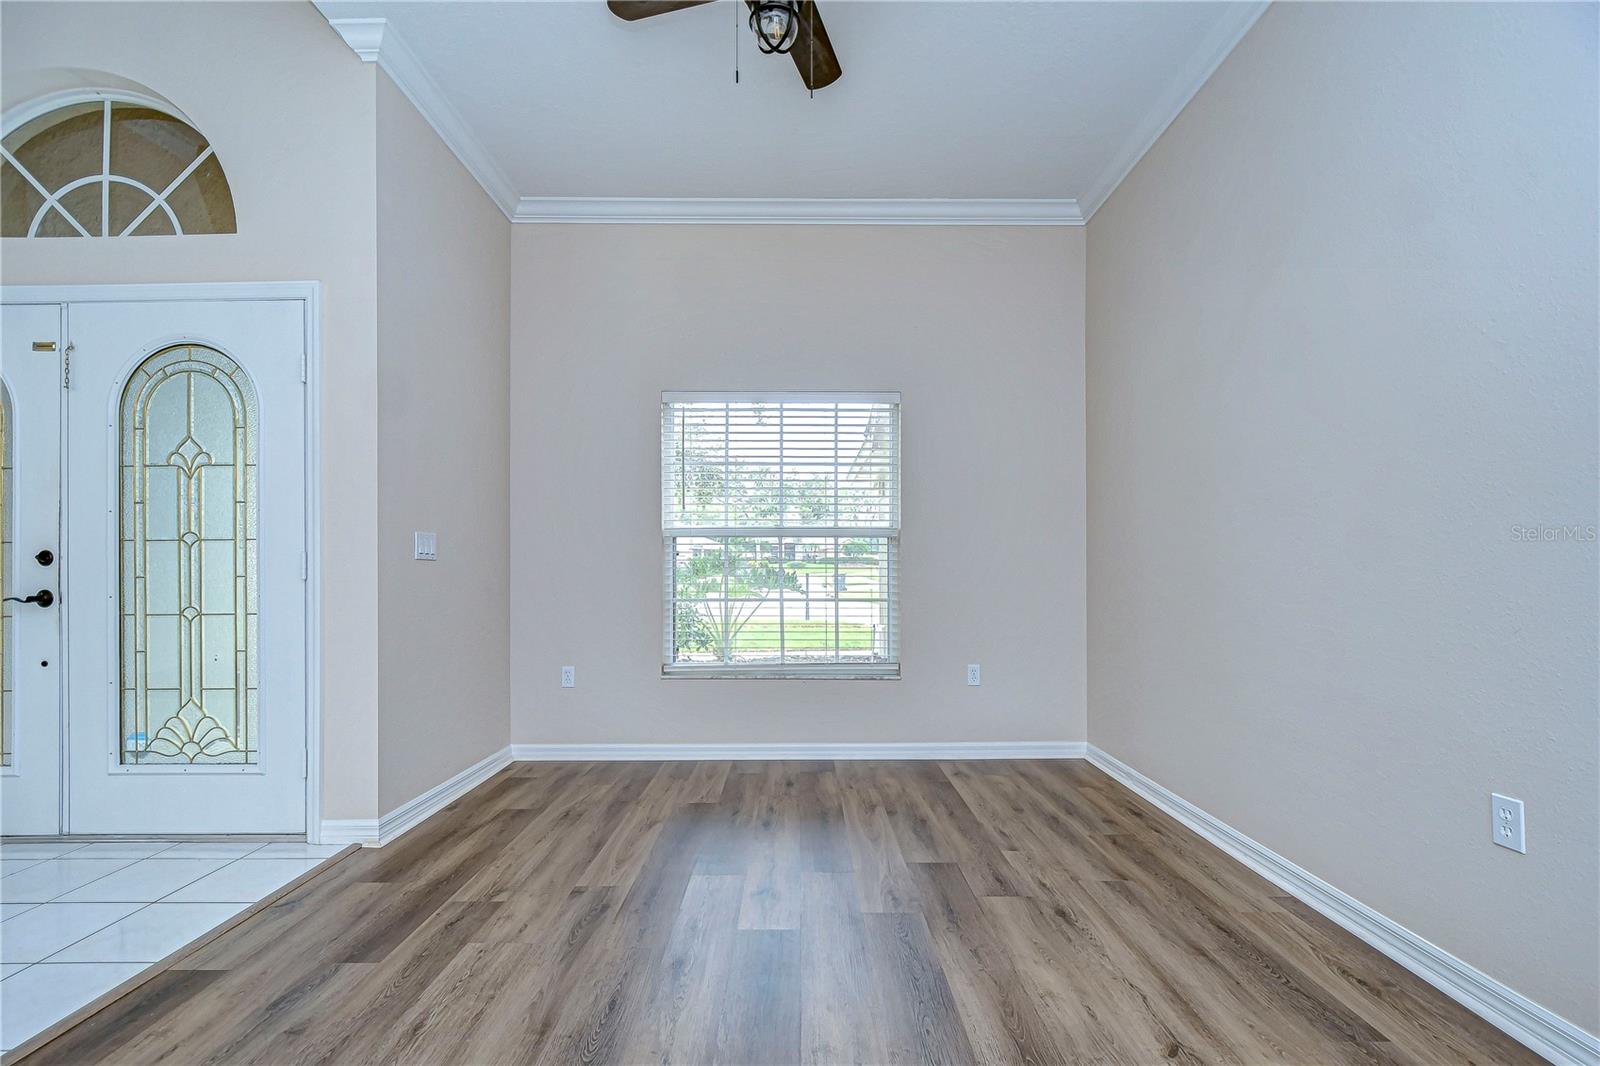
x=184 y=583
x=30 y=510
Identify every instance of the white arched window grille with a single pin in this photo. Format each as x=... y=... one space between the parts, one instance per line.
x=109 y=165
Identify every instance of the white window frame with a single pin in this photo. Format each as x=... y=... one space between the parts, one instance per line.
x=878 y=671
x=19 y=117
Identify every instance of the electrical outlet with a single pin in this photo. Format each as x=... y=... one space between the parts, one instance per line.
x=569 y=677
x=1505 y=823
x=974 y=675
x=425 y=546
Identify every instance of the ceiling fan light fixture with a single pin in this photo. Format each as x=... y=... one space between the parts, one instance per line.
x=776 y=24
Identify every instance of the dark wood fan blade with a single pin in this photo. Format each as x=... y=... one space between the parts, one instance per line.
x=813 y=52
x=634 y=10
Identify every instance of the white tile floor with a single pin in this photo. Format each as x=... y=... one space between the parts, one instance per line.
x=78 y=919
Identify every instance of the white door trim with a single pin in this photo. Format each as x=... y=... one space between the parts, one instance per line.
x=309 y=293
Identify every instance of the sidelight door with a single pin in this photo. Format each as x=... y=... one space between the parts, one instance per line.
x=30 y=624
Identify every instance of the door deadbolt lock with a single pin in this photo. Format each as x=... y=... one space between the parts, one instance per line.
x=44 y=598
x=45 y=557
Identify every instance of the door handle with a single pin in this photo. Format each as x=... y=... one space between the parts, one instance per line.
x=44 y=598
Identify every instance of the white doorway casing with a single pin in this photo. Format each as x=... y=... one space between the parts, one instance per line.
x=291 y=406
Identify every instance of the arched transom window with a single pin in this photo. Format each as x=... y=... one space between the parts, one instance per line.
x=110 y=167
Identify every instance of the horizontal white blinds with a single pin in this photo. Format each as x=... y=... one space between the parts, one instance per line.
x=746 y=463
x=780 y=521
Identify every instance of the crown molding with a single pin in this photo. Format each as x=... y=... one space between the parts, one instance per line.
x=364 y=36
x=375 y=41
x=798 y=212
x=1203 y=62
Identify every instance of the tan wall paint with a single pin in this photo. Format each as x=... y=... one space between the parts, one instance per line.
x=1342 y=339
x=442 y=408
x=291 y=113
x=980 y=328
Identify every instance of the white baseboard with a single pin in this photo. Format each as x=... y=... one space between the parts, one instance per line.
x=341 y=831
x=380 y=831
x=1027 y=749
x=1544 y=1031
x=374 y=833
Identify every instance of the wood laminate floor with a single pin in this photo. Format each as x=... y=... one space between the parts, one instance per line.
x=850 y=912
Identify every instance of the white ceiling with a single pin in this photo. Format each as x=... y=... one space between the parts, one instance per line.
x=979 y=99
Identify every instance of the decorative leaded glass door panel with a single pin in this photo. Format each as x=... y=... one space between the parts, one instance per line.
x=30 y=509
x=186 y=531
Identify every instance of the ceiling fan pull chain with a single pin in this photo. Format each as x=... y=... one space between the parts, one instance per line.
x=737 y=30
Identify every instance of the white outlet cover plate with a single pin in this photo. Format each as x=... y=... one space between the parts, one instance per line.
x=1506 y=826
x=974 y=674
x=569 y=677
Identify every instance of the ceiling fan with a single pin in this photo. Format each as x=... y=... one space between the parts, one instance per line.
x=781 y=26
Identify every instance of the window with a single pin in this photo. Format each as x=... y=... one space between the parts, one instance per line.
x=105 y=166
x=780 y=529
x=188 y=573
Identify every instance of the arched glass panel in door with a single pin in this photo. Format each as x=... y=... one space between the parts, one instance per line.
x=188 y=570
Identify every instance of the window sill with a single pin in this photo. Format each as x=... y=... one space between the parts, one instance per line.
x=841 y=672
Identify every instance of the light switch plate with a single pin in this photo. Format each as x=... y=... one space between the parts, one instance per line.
x=425 y=546
x=1505 y=823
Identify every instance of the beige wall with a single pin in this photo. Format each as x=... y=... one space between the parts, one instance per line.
x=1342 y=341
x=1342 y=337
x=291 y=113
x=982 y=331
x=442 y=321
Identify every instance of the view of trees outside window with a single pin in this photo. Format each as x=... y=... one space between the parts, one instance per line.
x=781 y=525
